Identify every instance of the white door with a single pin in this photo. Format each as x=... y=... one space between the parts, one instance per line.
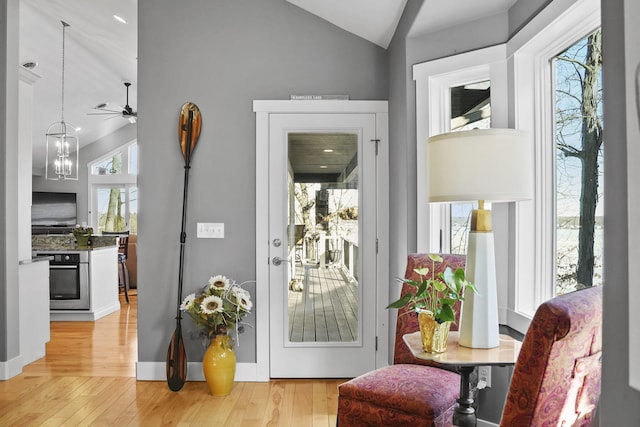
x=322 y=244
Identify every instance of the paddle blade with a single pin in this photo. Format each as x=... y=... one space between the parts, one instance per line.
x=183 y=128
x=176 y=362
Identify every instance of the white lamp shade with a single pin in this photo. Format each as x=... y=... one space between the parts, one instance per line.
x=494 y=165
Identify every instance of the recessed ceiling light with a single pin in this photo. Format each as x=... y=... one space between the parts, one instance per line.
x=323 y=167
x=120 y=19
x=78 y=129
x=328 y=150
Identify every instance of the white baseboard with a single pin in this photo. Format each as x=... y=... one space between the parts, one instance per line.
x=11 y=368
x=157 y=371
x=83 y=315
x=483 y=423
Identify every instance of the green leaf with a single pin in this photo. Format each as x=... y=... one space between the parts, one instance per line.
x=447 y=314
x=439 y=285
x=422 y=271
x=421 y=290
x=406 y=298
x=435 y=258
x=448 y=301
x=410 y=282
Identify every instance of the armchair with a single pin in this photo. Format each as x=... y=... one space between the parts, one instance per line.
x=403 y=393
x=556 y=380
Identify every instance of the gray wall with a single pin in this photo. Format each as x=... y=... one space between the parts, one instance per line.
x=401 y=125
x=221 y=55
x=87 y=154
x=9 y=333
x=621 y=36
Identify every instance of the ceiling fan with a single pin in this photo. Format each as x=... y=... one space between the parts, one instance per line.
x=126 y=111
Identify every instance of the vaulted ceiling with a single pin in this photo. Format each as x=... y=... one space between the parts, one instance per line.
x=101 y=52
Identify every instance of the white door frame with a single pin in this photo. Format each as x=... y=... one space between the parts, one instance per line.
x=263 y=109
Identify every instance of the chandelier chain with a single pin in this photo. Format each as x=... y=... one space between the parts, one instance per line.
x=64 y=28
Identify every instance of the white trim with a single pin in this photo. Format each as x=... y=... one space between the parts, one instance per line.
x=263 y=108
x=262 y=250
x=557 y=27
x=309 y=107
x=433 y=81
x=382 y=227
x=11 y=368
x=157 y=371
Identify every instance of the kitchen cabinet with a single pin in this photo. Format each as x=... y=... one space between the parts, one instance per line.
x=103 y=287
x=33 y=295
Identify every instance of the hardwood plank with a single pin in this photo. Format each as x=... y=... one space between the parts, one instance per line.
x=76 y=385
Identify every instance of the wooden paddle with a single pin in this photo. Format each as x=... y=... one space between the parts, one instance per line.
x=189 y=127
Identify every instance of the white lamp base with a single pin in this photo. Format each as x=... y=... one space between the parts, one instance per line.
x=479 y=317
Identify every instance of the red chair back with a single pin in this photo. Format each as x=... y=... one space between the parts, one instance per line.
x=556 y=380
x=407 y=321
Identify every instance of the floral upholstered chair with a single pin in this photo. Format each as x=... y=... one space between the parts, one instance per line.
x=556 y=380
x=404 y=393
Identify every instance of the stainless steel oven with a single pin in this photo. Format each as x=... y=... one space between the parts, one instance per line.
x=68 y=280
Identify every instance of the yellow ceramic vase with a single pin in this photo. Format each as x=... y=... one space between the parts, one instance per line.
x=434 y=335
x=219 y=365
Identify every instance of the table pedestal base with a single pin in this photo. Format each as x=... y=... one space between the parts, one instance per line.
x=465 y=414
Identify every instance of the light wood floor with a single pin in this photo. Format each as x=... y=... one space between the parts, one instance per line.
x=87 y=378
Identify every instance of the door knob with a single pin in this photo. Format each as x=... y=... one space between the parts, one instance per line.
x=277 y=260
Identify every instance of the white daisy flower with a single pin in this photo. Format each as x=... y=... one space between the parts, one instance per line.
x=211 y=304
x=187 y=302
x=244 y=301
x=219 y=282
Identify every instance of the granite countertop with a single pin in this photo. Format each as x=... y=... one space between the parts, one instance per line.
x=68 y=242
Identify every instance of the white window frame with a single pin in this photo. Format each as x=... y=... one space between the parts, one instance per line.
x=124 y=180
x=530 y=53
x=521 y=98
x=434 y=80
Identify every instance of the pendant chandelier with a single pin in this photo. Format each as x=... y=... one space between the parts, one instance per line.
x=62 y=141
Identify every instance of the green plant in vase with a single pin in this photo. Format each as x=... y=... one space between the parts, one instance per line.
x=434 y=297
x=82 y=234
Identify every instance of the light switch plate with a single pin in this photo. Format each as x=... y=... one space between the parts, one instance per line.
x=210 y=230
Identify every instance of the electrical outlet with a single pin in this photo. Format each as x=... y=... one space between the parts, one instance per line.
x=484 y=376
x=210 y=230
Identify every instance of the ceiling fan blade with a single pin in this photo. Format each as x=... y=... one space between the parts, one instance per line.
x=105 y=111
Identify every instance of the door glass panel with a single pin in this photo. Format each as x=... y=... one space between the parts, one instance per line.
x=323 y=223
x=470 y=109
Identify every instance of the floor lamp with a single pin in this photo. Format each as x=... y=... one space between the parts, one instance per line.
x=492 y=165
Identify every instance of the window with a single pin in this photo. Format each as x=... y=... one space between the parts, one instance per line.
x=579 y=162
x=522 y=79
x=457 y=93
x=470 y=109
x=114 y=192
x=546 y=73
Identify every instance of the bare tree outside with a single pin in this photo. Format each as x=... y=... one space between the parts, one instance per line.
x=305 y=216
x=578 y=121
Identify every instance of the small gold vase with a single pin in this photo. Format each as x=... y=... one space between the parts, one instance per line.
x=219 y=365
x=434 y=335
